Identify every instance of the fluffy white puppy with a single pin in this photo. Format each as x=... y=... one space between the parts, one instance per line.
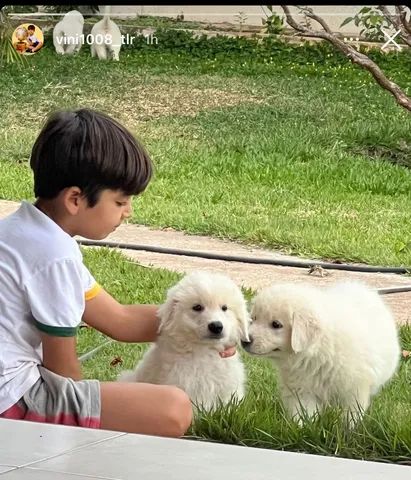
x=68 y=33
x=203 y=314
x=105 y=38
x=334 y=346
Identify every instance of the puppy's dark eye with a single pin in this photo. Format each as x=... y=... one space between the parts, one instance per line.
x=198 y=308
x=276 y=324
x=224 y=308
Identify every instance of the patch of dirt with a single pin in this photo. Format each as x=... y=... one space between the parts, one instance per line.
x=149 y=102
x=399 y=155
x=137 y=101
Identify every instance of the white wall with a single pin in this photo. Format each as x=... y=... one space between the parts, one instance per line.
x=333 y=14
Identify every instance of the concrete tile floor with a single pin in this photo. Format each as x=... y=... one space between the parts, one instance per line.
x=34 y=451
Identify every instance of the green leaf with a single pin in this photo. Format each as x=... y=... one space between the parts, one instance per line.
x=346 y=21
x=374 y=20
x=8 y=54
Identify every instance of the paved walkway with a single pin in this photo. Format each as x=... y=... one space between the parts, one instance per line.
x=248 y=275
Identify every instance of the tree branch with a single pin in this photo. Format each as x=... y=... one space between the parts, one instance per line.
x=291 y=21
x=391 y=18
x=399 y=22
x=400 y=9
x=356 y=57
x=310 y=13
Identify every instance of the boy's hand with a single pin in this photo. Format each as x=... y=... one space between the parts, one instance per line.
x=228 y=352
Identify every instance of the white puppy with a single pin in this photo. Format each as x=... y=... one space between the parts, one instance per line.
x=68 y=33
x=203 y=314
x=105 y=38
x=332 y=346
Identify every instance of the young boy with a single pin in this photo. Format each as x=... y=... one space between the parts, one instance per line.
x=34 y=42
x=86 y=168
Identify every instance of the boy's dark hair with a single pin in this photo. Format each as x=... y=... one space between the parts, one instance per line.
x=89 y=150
x=31 y=27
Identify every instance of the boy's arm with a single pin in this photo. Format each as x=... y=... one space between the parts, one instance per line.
x=125 y=323
x=38 y=47
x=60 y=356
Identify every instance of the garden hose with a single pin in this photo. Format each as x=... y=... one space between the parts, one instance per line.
x=89 y=354
x=259 y=261
x=388 y=290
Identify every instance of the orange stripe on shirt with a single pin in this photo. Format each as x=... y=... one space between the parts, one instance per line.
x=92 y=292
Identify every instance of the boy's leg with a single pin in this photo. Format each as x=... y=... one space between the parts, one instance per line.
x=127 y=407
x=145 y=408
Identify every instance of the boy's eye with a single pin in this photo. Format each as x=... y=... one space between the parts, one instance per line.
x=121 y=204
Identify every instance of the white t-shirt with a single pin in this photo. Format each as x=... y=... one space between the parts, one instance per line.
x=43 y=287
x=33 y=38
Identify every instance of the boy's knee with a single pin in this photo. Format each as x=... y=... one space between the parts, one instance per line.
x=180 y=412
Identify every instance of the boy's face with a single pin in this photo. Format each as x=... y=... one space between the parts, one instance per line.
x=31 y=31
x=99 y=221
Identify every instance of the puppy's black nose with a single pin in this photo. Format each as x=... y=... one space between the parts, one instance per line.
x=246 y=344
x=215 y=327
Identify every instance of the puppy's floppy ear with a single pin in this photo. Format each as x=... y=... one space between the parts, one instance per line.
x=243 y=319
x=166 y=310
x=305 y=328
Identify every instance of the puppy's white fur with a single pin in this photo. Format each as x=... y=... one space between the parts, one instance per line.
x=336 y=346
x=108 y=42
x=186 y=353
x=68 y=33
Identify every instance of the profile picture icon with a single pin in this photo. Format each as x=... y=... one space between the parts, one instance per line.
x=27 y=39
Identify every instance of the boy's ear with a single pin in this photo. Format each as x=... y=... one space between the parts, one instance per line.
x=72 y=198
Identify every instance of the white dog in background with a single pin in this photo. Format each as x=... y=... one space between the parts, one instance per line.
x=105 y=38
x=68 y=33
x=335 y=346
x=203 y=314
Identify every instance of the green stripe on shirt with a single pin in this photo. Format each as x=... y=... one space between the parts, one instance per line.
x=56 y=331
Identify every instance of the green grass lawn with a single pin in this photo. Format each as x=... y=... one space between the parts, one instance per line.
x=290 y=155
x=296 y=155
x=259 y=420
